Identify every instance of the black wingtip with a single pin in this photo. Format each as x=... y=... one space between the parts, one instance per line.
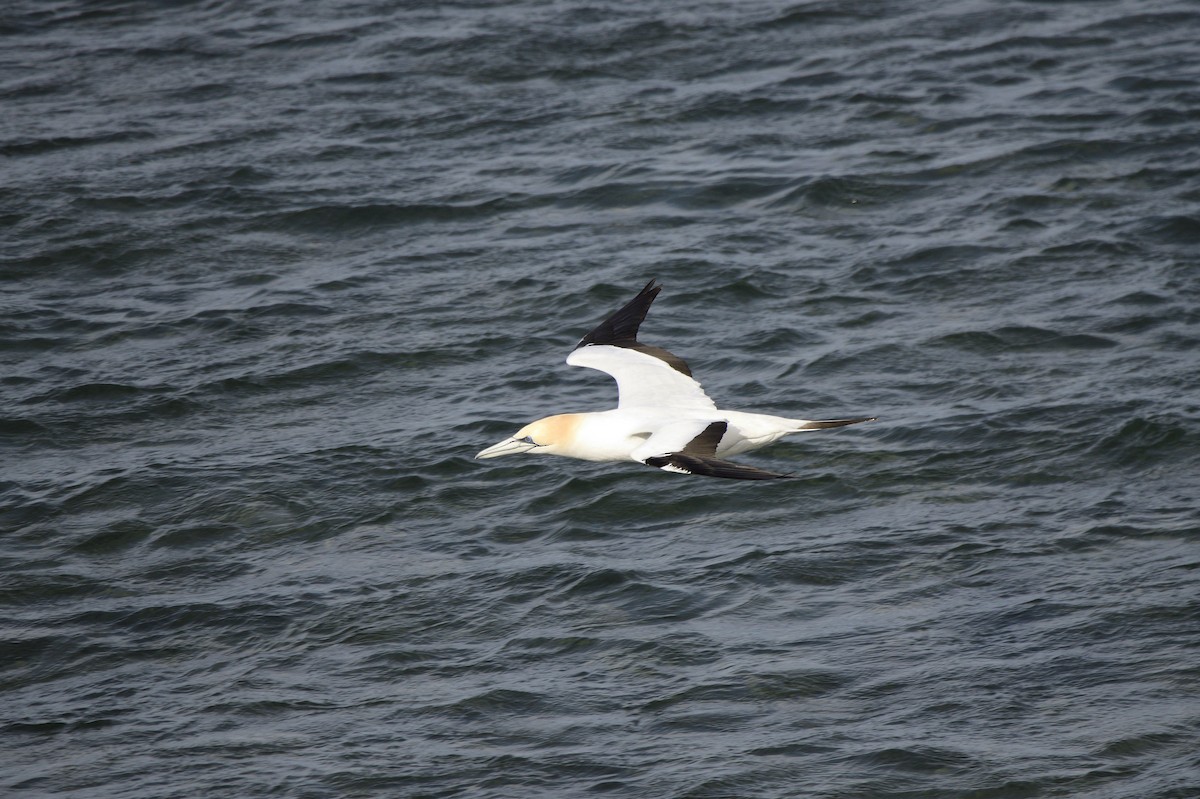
x=684 y=463
x=621 y=327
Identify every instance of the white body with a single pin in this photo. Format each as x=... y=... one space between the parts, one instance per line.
x=634 y=434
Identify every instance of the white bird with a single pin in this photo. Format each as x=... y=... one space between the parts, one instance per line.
x=663 y=417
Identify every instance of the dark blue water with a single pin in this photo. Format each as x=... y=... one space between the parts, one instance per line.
x=274 y=271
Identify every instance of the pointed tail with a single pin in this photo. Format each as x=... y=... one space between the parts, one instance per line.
x=805 y=424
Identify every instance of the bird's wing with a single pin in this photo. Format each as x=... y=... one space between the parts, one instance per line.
x=646 y=376
x=690 y=447
x=643 y=381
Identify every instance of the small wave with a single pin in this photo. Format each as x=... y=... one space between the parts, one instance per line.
x=1142 y=441
x=335 y=218
x=919 y=759
x=115 y=537
x=59 y=143
x=845 y=192
x=1183 y=231
x=500 y=700
x=1018 y=338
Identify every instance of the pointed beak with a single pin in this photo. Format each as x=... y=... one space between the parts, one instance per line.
x=509 y=446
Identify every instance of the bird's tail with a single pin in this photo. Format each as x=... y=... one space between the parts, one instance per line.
x=805 y=424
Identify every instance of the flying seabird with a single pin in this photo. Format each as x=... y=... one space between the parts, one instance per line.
x=663 y=417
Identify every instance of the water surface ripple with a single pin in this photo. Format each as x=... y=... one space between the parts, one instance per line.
x=274 y=271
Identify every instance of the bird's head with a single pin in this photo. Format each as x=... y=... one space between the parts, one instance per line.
x=548 y=436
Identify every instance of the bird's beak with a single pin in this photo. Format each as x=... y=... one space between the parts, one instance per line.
x=509 y=446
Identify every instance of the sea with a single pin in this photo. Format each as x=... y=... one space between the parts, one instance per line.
x=272 y=272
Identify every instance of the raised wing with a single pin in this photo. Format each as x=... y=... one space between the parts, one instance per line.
x=666 y=450
x=646 y=376
x=643 y=381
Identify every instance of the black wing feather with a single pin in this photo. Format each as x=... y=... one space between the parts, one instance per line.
x=621 y=329
x=713 y=467
x=698 y=457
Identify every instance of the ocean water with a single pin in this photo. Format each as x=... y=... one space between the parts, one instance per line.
x=274 y=271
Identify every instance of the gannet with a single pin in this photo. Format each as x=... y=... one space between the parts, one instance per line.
x=663 y=417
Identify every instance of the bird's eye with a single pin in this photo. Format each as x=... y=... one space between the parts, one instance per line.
x=529 y=440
